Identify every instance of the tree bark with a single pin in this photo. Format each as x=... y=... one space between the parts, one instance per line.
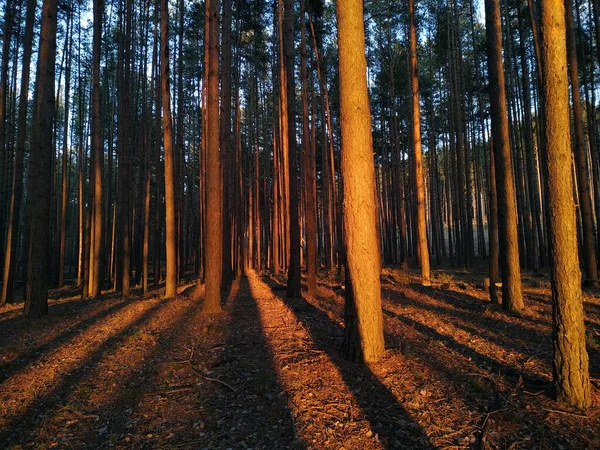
x=310 y=180
x=97 y=157
x=214 y=228
x=416 y=148
x=583 y=176
x=570 y=368
x=40 y=168
x=11 y=254
x=512 y=299
x=363 y=335
x=171 y=231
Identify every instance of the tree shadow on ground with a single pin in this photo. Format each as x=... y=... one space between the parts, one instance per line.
x=230 y=391
x=531 y=381
x=19 y=332
x=515 y=336
x=143 y=404
x=378 y=403
x=22 y=425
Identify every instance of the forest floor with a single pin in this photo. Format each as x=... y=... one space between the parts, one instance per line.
x=266 y=373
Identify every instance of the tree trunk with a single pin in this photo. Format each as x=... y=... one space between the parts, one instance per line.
x=570 y=368
x=225 y=138
x=512 y=299
x=416 y=147
x=40 y=168
x=310 y=180
x=214 y=229
x=363 y=335
x=583 y=176
x=171 y=231
x=97 y=158
x=11 y=255
x=293 y=283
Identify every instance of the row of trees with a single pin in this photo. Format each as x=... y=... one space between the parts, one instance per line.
x=258 y=151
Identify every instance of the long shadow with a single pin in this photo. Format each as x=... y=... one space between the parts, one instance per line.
x=244 y=363
x=141 y=380
x=35 y=353
x=247 y=362
x=378 y=403
x=20 y=426
x=516 y=333
x=464 y=314
x=531 y=382
x=465 y=302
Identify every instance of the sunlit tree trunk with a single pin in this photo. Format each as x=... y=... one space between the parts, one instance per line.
x=65 y=151
x=171 y=231
x=97 y=157
x=512 y=299
x=570 y=368
x=40 y=168
x=416 y=148
x=310 y=180
x=363 y=335
x=293 y=284
x=214 y=229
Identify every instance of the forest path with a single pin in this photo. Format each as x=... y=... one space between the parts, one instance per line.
x=266 y=373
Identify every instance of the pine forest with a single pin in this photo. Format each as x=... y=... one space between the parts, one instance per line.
x=300 y=224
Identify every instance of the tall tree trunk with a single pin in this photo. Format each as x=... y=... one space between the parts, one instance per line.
x=570 y=368
x=494 y=243
x=214 y=229
x=95 y=286
x=11 y=254
x=583 y=176
x=225 y=138
x=293 y=283
x=512 y=299
x=416 y=147
x=5 y=157
x=124 y=124
x=310 y=180
x=65 y=152
x=171 y=231
x=363 y=335
x=40 y=168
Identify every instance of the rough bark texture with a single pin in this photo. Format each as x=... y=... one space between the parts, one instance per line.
x=571 y=373
x=363 y=335
x=214 y=229
x=40 y=168
x=416 y=147
x=171 y=232
x=512 y=298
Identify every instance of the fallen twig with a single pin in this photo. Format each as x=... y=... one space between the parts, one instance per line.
x=558 y=411
x=535 y=394
x=216 y=380
x=171 y=391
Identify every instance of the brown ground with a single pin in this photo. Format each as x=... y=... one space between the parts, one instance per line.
x=266 y=374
